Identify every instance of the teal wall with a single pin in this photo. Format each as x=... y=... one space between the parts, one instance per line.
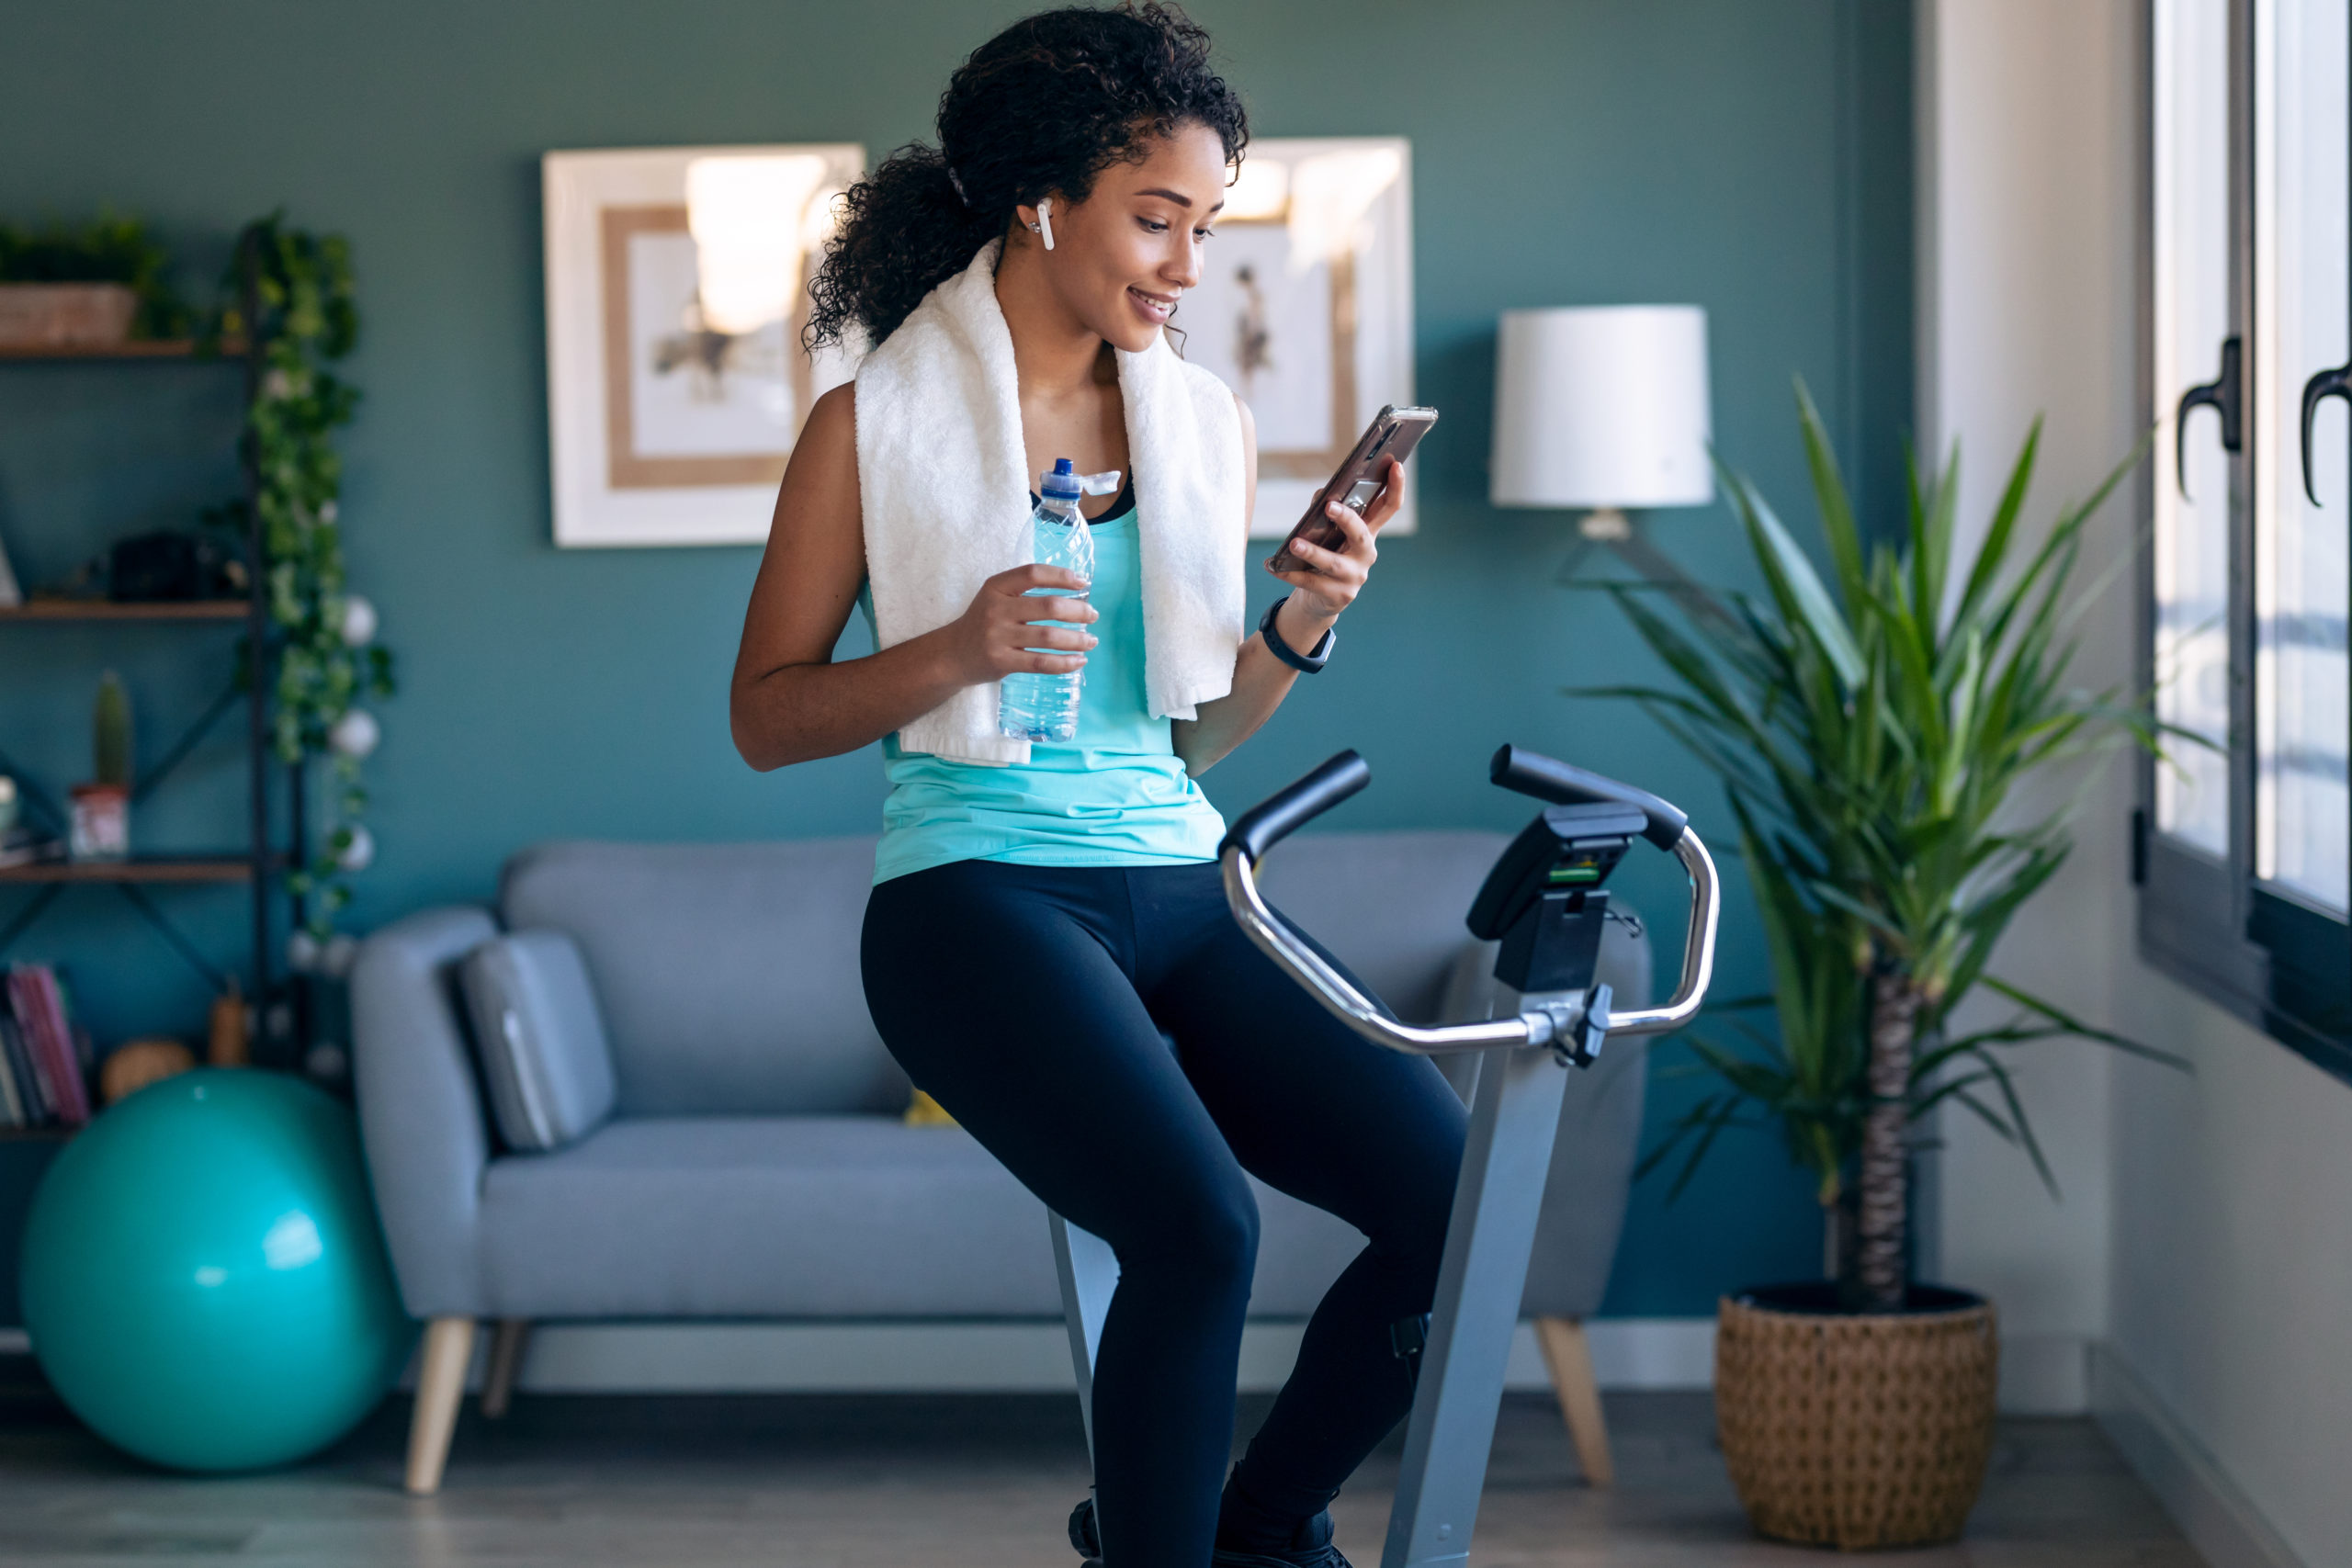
x=1751 y=158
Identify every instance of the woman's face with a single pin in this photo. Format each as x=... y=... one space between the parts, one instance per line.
x=1124 y=256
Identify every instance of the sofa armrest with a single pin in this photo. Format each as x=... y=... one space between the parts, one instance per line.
x=421 y=1118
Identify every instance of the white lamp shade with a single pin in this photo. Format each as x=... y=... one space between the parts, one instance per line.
x=1602 y=406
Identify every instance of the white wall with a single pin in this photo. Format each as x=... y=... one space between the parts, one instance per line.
x=2026 y=308
x=2204 y=1247
x=2231 y=1264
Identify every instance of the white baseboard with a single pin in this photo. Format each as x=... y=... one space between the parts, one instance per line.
x=2045 y=1374
x=2040 y=1375
x=2219 y=1519
x=995 y=1358
x=1631 y=1352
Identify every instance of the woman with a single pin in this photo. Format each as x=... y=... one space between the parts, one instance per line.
x=1042 y=914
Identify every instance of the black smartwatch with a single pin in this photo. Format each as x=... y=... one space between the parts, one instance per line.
x=1310 y=663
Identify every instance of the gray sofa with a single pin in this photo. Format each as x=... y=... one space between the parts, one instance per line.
x=758 y=1166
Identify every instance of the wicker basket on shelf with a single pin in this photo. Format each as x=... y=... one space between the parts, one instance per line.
x=1857 y=1430
x=66 y=315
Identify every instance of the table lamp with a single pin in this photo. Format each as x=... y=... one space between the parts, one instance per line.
x=1604 y=408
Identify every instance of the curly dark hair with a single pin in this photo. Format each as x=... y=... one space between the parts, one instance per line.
x=1040 y=109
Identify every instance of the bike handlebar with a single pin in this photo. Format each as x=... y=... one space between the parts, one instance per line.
x=1565 y=783
x=1560 y=1022
x=1280 y=815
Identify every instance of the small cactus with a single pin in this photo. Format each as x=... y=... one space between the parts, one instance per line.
x=112 y=727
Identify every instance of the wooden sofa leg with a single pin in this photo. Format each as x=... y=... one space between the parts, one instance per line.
x=1569 y=1358
x=448 y=1351
x=506 y=1344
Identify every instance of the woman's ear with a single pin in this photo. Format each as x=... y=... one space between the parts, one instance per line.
x=1039 y=219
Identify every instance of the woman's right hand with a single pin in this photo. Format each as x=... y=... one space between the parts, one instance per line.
x=992 y=638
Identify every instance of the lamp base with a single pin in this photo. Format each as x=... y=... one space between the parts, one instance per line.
x=1605 y=524
x=1633 y=546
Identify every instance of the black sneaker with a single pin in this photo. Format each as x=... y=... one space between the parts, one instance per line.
x=1084 y=1539
x=1310 y=1548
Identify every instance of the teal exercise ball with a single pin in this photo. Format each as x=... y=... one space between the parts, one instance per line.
x=203 y=1278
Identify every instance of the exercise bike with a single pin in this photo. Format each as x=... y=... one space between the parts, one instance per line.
x=1545 y=902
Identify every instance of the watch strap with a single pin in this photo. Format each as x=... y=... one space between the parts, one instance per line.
x=1308 y=663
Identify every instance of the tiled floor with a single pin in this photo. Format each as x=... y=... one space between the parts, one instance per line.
x=834 y=1481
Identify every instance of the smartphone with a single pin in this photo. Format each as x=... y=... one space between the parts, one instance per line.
x=1357 y=482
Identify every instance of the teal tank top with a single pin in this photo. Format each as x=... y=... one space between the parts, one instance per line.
x=1115 y=793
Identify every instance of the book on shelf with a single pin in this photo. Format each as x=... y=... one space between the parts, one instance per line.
x=25 y=845
x=18 y=1062
x=70 y=1042
x=14 y=1111
x=56 y=1051
x=32 y=1075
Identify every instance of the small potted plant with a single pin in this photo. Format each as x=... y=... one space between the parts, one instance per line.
x=1870 y=732
x=101 y=824
x=95 y=285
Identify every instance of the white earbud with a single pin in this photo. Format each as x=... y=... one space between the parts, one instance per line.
x=1044 y=224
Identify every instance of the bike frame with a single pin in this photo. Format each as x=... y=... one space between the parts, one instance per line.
x=1498 y=1198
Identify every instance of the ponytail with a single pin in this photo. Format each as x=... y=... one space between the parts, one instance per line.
x=1038 y=110
x=903 y=231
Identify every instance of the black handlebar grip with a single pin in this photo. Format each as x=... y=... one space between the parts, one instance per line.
x=1278 y=815
x=1564 y=783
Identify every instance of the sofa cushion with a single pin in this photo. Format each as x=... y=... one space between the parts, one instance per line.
x=729 y=972
x=540 y=1038
x=1600 y=1128
x=1390 y=906
x=812 y=1217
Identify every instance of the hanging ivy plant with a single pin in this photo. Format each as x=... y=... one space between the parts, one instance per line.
x=294 y=314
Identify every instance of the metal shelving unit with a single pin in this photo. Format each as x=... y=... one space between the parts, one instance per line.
x=137 y=348
x=258 y=861
x=108 y=610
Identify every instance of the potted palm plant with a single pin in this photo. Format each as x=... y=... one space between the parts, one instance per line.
x=1871 y=732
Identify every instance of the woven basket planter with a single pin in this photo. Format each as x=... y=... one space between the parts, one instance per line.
x=1856 y=1430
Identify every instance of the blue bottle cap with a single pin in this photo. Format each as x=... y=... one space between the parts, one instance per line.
x=1063 y=482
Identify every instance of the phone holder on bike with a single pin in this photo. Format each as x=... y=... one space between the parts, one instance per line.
x=1544 y=902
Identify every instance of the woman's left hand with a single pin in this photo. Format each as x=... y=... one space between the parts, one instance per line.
x=1336 y=575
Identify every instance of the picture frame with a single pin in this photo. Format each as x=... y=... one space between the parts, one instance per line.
x=1304 y=307
x=677 y=286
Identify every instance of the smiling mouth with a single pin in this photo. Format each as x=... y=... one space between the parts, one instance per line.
x=1159 y=306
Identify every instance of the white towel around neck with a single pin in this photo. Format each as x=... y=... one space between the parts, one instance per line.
x=944 y=482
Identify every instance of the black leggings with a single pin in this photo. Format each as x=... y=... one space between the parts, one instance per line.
x=1030 y=1002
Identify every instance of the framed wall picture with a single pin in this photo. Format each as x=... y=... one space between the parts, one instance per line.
x=1304 y=306
x=677 y=285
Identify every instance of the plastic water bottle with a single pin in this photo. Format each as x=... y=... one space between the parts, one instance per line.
x=1044 y=707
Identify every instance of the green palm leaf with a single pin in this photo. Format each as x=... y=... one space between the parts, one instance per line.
x=1870 y=740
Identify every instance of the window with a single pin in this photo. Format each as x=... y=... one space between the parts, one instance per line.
x=2245 y=845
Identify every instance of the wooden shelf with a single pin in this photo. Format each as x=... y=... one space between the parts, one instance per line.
x=112 y=610
x=139 y=868
x=137 y=348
